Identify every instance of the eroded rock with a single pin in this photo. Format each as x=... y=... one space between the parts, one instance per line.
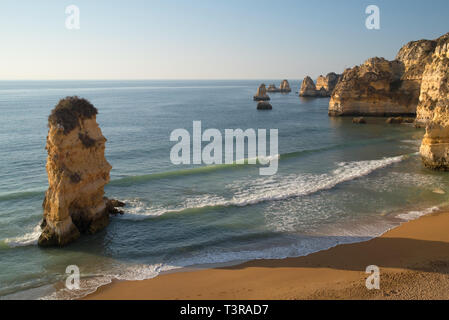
x=261 y=94
x=77 y=173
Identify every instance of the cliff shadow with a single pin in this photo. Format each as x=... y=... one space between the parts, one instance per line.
x=404 y=253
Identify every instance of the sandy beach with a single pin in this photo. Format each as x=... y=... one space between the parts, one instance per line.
x=413 y=260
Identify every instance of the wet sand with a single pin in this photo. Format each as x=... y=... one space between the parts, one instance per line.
x=413 y=260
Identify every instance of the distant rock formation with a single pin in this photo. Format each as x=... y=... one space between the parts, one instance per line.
x=273 y=88
x=323 y=88
x=77 y=173
x=434 y=107
x=359 y=120
x=308 y=88
x=261 y=94
x=285 y=87
x=329 y=82
x=264 y=105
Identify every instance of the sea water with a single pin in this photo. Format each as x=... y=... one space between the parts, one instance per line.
x=337 y=182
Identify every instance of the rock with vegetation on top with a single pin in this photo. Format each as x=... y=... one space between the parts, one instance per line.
x=261 y=94
x=77 y=173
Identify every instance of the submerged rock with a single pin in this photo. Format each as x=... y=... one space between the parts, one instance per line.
x=261 y=94
x=77 y=173
x=264 y=105
x=396 y=120
x=359 y=120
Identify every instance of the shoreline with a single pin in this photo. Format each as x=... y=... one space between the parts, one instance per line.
x=413 y=259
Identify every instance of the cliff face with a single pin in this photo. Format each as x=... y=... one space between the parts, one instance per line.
x=77 y=173
x=374 y=88
x=386 y=88
x=323 y=88
x=328 y=83
x=285 y=87
x=261 y=94
x=434 y=107
x=308 y=88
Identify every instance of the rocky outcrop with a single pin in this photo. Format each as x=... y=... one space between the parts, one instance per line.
x=308 y=88
x=374 y=88
x=323 y=88
x=273 y=88
x=264 y=105
x=77 y=173
x=328 y=83
x=261 y=94
x=359 y=120
x=387 y=88
x=285 y=87
x=434 y=107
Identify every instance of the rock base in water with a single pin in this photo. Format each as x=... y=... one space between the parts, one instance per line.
x=263 y=105
x=77 y=173
x=359 y=120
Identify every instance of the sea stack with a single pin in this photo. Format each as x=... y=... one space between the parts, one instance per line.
x=77 y=173
x=323 y=88
x=261 y=94
x=272 y=88
x=308 y=88
x=285 y=87
x=328 y=83
x=434 y=105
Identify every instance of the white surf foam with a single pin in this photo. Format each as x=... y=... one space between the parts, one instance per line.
x=413 y=215
x=27 y=239
x=273 y=188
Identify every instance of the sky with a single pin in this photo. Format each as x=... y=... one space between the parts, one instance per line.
x=205 y=39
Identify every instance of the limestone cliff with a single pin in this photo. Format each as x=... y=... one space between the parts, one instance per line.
x=323 y=88
x=77 y=173
x=434 y=106
x=374 y=88
x=433 y=80
x=273 y=88
x=284 y=87
x=383 y=88
x=261 y=94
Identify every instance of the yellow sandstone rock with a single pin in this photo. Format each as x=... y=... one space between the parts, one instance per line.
x=77 y=173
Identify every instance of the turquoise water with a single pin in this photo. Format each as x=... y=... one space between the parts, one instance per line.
x=337 y=182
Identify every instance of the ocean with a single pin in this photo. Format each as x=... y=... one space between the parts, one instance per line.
x=337 y=182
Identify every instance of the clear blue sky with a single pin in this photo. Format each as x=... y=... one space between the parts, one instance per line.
x=205 y=39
